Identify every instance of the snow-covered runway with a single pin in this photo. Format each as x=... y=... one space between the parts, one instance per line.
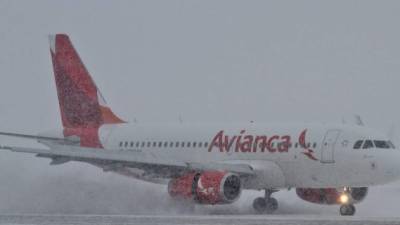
x=188 y=220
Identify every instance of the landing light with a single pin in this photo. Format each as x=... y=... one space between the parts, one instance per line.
x=344 y=198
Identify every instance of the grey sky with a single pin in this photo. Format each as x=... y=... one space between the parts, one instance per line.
x=216 y=61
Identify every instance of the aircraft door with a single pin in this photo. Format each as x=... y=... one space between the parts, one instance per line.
x=328 y=146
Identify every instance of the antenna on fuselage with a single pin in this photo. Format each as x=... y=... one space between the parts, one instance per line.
x=180 y=119
x=343 y=120
x=392 y=132
x=358 y=120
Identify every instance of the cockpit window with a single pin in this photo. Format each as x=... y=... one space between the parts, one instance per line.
x=373 y=144
x=381 y=144
x=358 y=144
x=368 y=144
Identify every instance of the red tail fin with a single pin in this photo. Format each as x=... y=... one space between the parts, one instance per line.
x=81 y=103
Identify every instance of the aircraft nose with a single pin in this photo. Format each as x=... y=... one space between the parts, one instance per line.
x=393 y=165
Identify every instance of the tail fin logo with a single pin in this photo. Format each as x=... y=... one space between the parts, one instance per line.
x=81 y=103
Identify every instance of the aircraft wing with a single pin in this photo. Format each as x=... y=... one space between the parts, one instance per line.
x=129 y=157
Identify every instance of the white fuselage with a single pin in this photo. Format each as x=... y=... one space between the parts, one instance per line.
x=324 y=158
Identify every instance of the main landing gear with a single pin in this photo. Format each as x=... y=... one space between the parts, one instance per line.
x=265 y=204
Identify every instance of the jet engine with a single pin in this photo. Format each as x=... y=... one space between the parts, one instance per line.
x=330 y=196
x=208 y=187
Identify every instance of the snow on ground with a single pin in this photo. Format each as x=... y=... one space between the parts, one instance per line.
x=188 y=220
x=77 y=188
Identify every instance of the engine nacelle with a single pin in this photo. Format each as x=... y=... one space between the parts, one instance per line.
x=330 y=196
x=209 y=187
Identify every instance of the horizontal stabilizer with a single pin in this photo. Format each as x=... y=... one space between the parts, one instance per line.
x=67 y=141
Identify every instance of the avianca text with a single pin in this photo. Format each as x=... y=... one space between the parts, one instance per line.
x=249 y=143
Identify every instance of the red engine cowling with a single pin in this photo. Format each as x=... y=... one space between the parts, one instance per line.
x=209 y=187
x=330 y=196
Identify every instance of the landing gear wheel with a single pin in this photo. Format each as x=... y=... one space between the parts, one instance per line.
x=260 y=205
x=272 y=205
x=347 y=210
x=263 y=205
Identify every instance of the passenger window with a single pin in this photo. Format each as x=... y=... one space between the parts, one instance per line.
x=177 y=144
x=165 y=144
x=148 y=144
x=188 y=144
x=126 y=144
x=131 y=143
x=314 y=145
x=368 y=144
x=154 y=144
x=206 y=144
x=137 y=144
x=159 y=144
x=143 y=144
x=200 y=144
x=183 y=144
x=308 y=145
x=120 y=144
x=171 y=144
x=194 y=144
x=296 y=145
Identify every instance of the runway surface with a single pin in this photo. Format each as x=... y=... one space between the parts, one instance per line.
x=191 y=220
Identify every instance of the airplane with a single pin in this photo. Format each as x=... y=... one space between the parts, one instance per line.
x=211 y=164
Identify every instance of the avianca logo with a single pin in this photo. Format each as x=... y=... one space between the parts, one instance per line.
x=249 y=143
x=307 y=151
x=257 y=143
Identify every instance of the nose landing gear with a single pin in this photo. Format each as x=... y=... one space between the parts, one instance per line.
x=347 y=210
x=265 y=204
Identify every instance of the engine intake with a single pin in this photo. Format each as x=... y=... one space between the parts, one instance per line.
x=208 y=187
